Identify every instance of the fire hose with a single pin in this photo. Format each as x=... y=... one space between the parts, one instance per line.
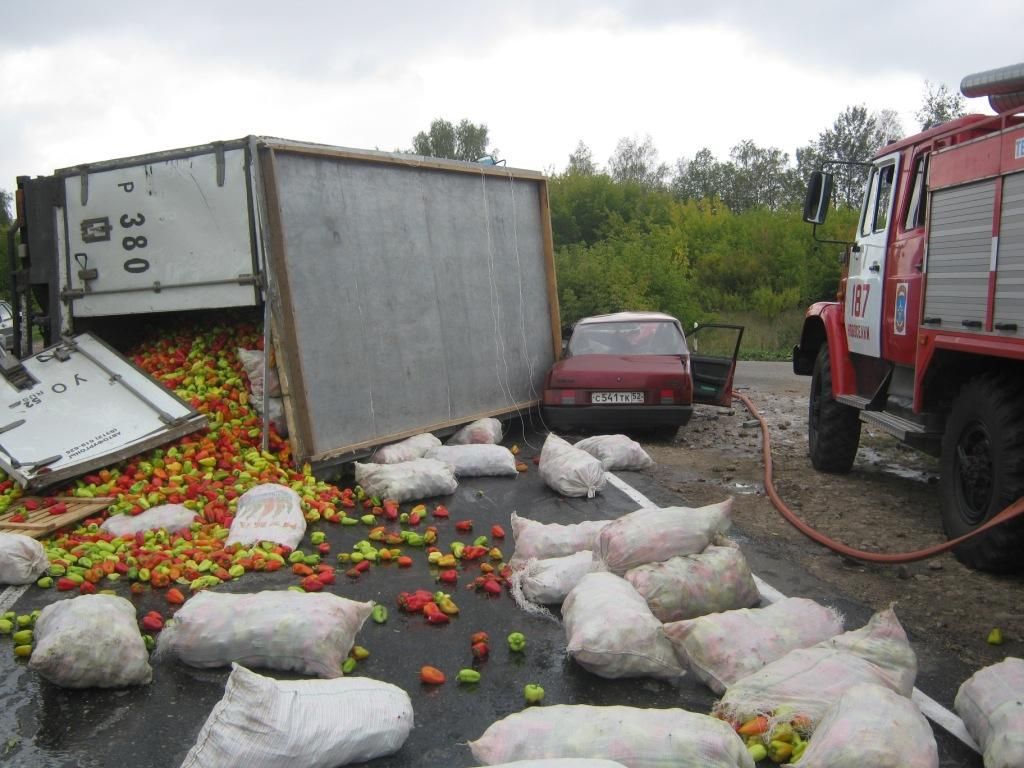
x=1010 y=512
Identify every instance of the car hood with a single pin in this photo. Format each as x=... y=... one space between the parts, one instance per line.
x=618 y=371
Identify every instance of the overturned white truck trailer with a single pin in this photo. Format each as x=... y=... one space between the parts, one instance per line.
x=401 y=293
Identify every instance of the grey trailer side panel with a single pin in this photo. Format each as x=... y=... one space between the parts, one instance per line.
x=412 y=297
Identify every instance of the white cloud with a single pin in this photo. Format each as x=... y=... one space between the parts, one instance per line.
x=540 y=89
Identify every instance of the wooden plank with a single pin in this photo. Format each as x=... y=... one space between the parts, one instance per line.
x=39 y=522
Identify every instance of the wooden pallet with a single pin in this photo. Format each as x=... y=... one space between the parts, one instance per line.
x=40 y=523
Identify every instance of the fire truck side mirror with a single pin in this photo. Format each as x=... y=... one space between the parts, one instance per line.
x=819 y=197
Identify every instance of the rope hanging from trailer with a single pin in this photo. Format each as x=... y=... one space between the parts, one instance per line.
x=1012 y=511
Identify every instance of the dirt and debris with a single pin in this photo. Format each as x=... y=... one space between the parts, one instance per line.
x=888 y=503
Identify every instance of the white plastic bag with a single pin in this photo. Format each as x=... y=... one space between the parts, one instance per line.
x=22 y=559
x=265 y=723
x=717 y=579
x=414 y=447
x=991 y=704
x=872 y=726
x=611 y=632
x=544 y=540
x=654 y=534
x=616 y=452
x=290 y=631
x=635 y=737
x=548 y=581
x=90 y=641
x=268 y=512
x=722 y=648
x=170 y=517
x=408 y=480
x=568 y=470
x=476 y=460
x=808 y=681
x=480 y=431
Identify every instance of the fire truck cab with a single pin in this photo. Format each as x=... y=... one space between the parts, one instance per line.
x=926 y=337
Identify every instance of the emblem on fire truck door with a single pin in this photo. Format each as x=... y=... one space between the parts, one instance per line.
x=899 y=320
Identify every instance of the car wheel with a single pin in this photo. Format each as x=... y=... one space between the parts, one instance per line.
x=833 y=429
x=983 y=471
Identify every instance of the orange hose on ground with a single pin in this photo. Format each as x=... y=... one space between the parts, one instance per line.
x=1012 y=511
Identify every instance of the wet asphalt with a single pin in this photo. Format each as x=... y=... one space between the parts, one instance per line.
x=155 y=725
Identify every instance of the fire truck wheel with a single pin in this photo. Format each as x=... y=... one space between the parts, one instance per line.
x=833 y=429
x=983 y=471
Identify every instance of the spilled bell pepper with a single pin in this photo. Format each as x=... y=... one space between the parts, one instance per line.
x=431 y=675
x=468 y=676
x=517 y=642
x=380 y=613
x=434 y=613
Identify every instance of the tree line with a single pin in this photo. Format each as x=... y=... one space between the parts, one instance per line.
x=697 y=238
x=703 y=237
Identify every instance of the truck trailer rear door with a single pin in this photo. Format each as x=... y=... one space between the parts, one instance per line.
x=78 y=406
x=159 y=233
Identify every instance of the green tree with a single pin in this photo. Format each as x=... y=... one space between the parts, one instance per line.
x=855 y=136
x=581 y=161
x=940 y=105
x=637 y=161
x=465 y=141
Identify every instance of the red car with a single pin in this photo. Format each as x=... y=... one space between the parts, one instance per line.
x=634 y=371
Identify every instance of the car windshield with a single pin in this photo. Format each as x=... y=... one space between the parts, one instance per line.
x=654 y=337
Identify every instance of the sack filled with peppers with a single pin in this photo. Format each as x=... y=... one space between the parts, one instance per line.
x=308 y=633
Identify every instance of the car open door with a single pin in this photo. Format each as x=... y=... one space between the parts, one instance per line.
x=79 y=405
x=713 y=351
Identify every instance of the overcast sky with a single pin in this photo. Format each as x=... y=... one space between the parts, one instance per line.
x=84 y=81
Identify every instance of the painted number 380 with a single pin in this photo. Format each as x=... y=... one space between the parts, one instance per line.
x=131 y=242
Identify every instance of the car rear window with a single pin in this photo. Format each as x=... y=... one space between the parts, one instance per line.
x=632 y=338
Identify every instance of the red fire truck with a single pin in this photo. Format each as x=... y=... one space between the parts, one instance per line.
x=926 y=337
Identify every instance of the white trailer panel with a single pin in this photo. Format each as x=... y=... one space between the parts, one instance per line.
x=79 y=405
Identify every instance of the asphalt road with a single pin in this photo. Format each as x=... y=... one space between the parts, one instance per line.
x=155 y=725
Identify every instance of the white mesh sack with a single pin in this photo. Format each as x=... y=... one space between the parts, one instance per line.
x=991 y=704
x=872 y=726
x=170 y=517
x=544 y=540
x=722 y=648
x=807 y=681
x=717 y=579
x=265 y=723
x=616 y=452
x=277 y=629
x=22 y=559
x=90 y=641
x=481 y=431
x=611 y=632
x=268 y=512
x=548 y=581
x=408 y=480
x=635 y=737
x=414 y=447
x=252 y=363
x=654 y=534
x=476 y=460
x=568 y=470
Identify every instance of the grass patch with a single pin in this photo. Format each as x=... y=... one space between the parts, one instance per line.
x=766 y=337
